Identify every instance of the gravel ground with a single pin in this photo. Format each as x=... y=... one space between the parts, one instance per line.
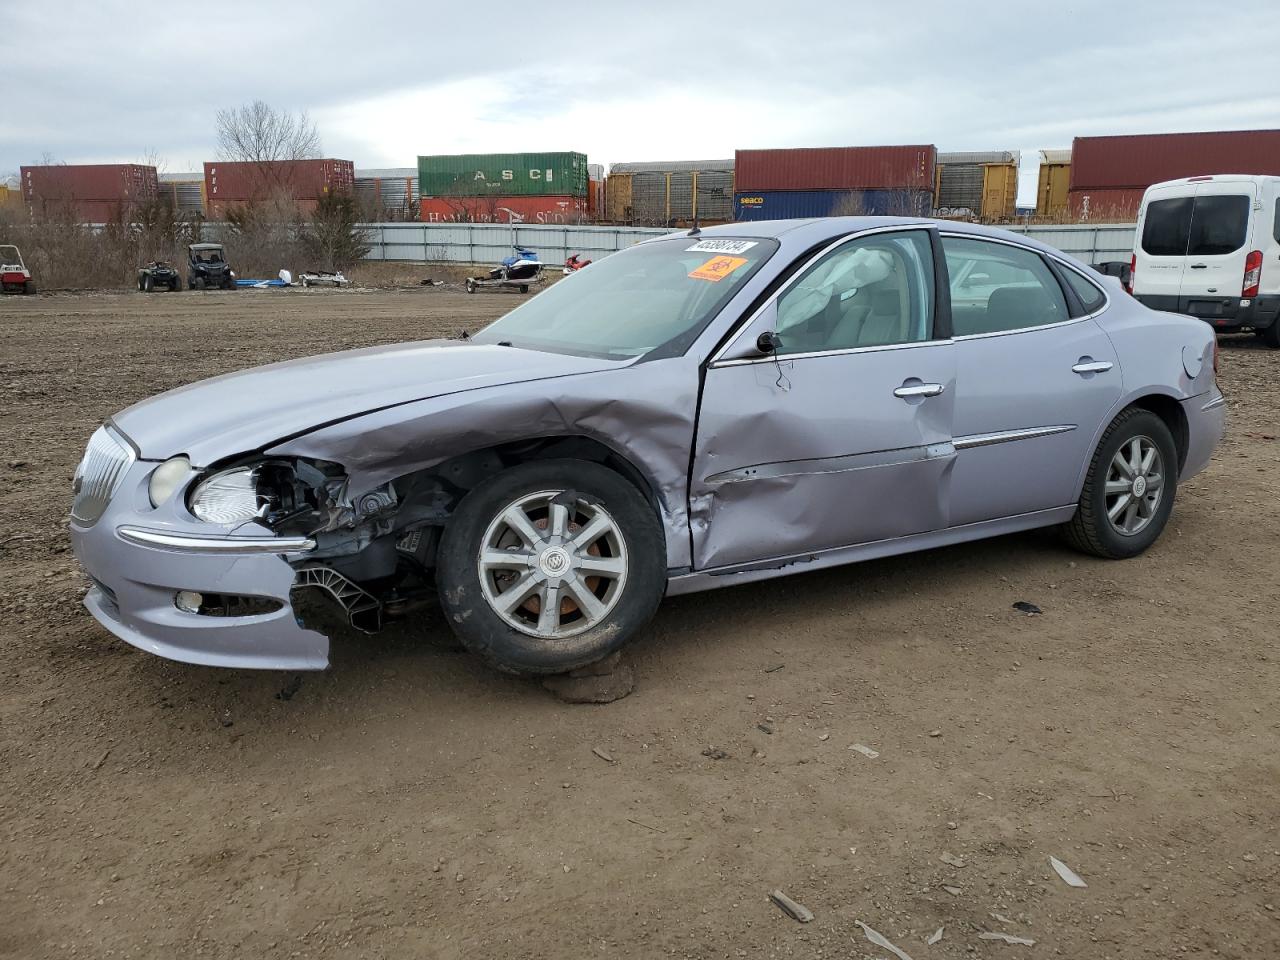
x=411 y=803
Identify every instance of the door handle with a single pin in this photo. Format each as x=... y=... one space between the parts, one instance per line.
x=1092 y=366
x=918 y=390
x=1199 y=266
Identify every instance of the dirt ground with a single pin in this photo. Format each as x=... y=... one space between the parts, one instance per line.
x=411 y=803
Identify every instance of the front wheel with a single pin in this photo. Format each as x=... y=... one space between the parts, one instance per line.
x=1128 y=494
x=550 y=566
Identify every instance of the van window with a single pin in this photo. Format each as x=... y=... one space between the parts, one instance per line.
x=1168 y=223
x=1219 y=225
x=1275 y=227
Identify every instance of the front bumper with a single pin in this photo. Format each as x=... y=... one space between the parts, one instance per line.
x=1228 y=314
x=140 y=557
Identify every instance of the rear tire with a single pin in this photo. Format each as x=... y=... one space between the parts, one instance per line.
x=29 y=288
x=148 y=283
x=584 y=628
x=175 y=285
x=1105 y=508
x=1271 y=335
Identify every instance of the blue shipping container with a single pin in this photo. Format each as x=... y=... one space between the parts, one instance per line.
x=785 y=204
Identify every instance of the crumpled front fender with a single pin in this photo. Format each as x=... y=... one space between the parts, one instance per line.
x=645 y=413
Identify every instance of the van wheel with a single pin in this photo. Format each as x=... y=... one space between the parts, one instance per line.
x=551 y=565
x=1128 y=494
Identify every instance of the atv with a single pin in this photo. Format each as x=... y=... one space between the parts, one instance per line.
x=159 y=274
x=207 y=268
x=14 y=275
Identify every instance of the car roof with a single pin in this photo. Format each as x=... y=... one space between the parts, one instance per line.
x=815 y=230
x=206 y=246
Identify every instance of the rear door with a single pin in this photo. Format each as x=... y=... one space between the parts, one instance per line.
x=1160 y=253
x=1216 y=244
x=1035 y=378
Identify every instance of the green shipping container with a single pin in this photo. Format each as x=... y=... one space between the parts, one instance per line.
x=503 y=174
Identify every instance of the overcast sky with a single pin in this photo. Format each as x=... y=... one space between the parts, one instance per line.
x=111 y=81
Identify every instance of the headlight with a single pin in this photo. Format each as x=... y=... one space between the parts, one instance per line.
x=167 y=478
x=228 y=497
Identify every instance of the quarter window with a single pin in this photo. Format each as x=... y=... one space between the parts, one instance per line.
x=996 y=287
x=871 y=292
x=1091 y=298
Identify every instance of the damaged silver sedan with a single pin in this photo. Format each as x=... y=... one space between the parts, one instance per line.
x=702 y=410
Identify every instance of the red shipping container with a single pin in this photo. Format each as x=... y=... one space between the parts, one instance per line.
x=1104 y=206
x=595 y=199
x=529 y=209
x=84 y=211
x=216 y=210
x=1136 y=162
x=836 y=168
x=295 y=179
x=98 y=181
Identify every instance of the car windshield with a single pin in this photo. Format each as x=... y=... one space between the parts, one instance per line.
x=10 y=255
x=209 y=256
x=656 y=294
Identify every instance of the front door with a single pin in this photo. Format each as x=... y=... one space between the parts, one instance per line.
x=843 y=435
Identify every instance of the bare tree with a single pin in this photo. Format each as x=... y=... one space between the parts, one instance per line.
x=259 y=134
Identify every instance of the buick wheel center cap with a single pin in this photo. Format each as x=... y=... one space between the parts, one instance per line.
x=1139 y=486
x=554 y=562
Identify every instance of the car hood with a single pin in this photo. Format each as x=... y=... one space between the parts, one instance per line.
x=252 y=409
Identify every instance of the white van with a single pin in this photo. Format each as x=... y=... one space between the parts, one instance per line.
x=1210 y=247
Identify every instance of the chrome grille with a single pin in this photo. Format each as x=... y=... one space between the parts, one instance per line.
x=106 y=460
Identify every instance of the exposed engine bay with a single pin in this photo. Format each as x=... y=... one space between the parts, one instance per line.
x=375 y=550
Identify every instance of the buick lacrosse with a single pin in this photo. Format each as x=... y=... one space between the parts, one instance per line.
x=702 y=410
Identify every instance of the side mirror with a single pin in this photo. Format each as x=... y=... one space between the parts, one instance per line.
x=768 y=342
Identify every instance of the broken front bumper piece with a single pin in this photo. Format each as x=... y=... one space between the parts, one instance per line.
x=201 y=593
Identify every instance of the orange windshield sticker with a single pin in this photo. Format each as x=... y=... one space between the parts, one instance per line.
x=717 y=268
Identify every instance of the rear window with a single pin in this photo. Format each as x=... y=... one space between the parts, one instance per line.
x=1168 y=224
x=1205 y=226
x=1218 y=225
x=1275 y=227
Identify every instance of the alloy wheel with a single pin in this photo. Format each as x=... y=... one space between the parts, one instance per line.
x=1134 y=486
x=552 y=564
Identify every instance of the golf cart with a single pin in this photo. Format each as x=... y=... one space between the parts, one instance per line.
x=14 y=275
x=207 y=268
x=159 y=274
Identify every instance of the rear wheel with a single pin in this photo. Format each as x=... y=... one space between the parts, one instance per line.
x=148 y=283
x=471 y=285
x=29 y=288
x=1128 y=494
x=550 y=566
x=175 y=285
x=1271 y=335
x=524 y=288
